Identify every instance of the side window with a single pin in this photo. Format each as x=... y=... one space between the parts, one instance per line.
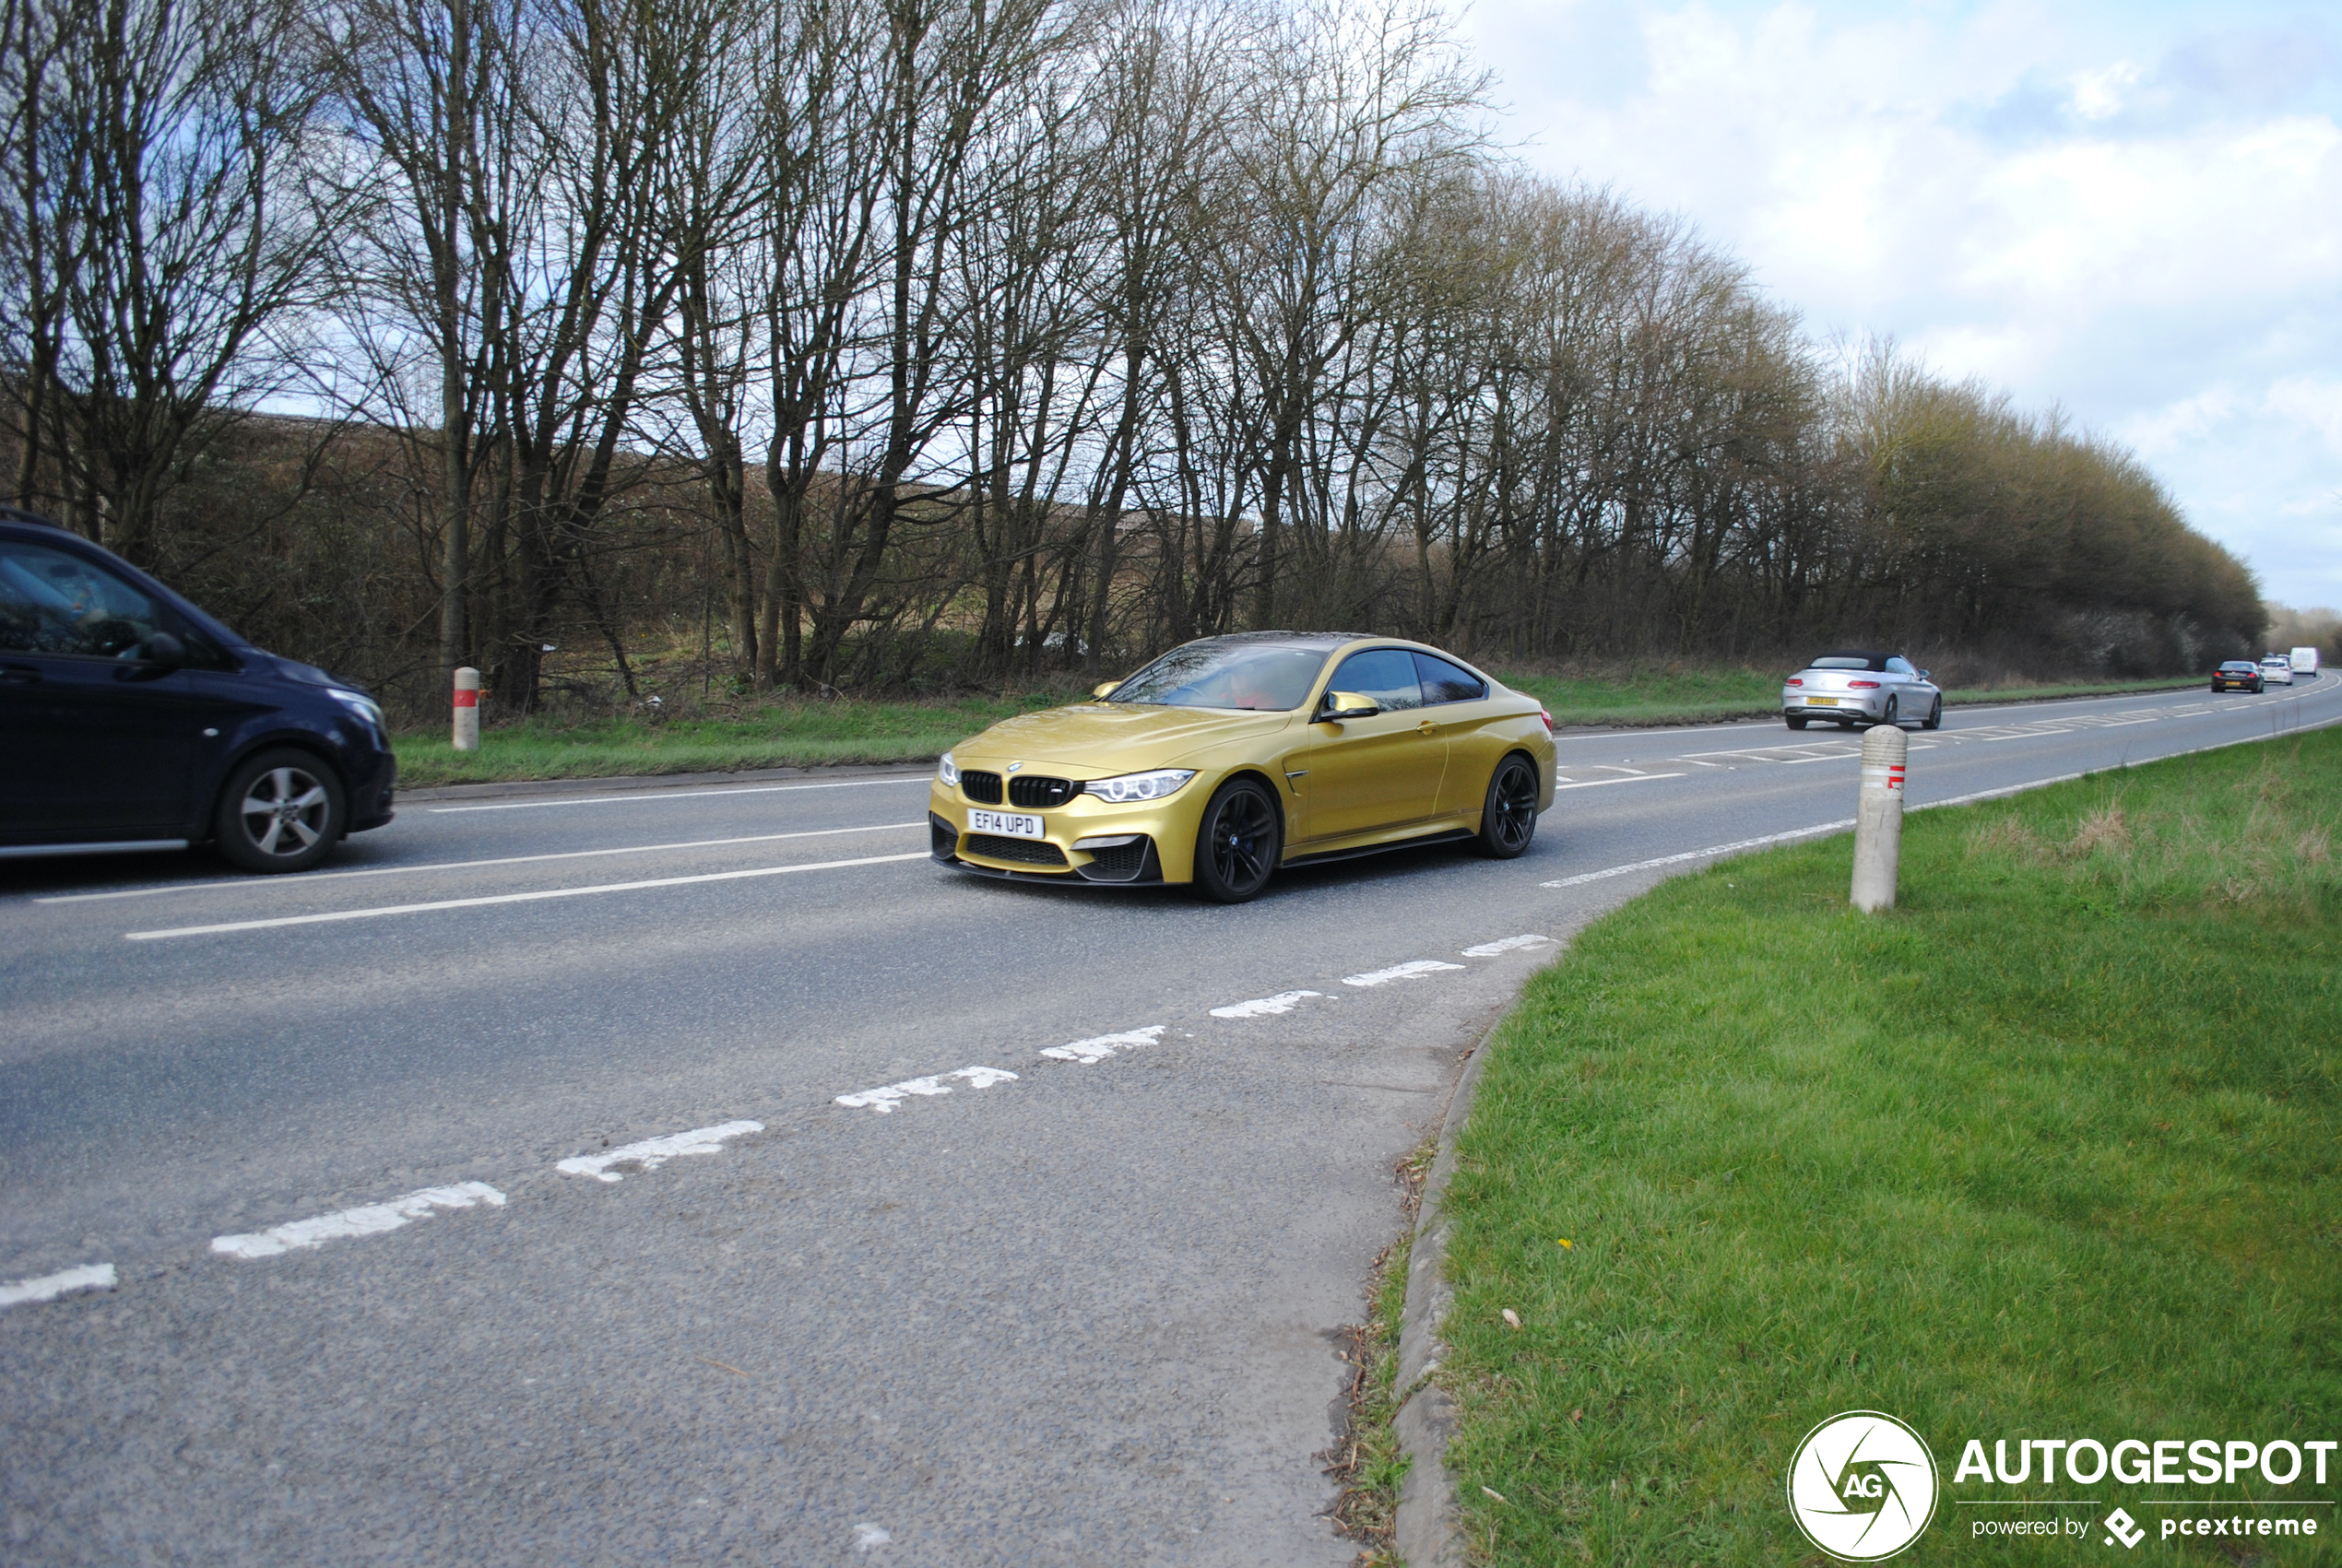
x=54 y=603
x=1444 y=682
x=1900 y=666
x=1387 y=675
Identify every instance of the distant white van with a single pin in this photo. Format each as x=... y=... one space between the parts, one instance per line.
x=2305 y=663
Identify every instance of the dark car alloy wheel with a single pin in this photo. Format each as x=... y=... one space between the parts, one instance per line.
x=1893 y=706
x=282 y=811
x=1509 y=816
x=1935 y=719
x=1239 y=845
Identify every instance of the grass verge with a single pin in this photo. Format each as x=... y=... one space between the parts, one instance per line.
x=2050 y=1151
x=1365 y=1462
x=795 y=735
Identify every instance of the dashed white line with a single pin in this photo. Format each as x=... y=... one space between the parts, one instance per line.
x=313 y=878
x=380 y=909
x=1099 y=1047
x=371 y=1219
x=653 y=1152
x=884 y=1099
x=1597 y=783
x=1413 y=970
x=1510 y=944
x=1266 y=1007
x=65 y=1282
x=675 y=795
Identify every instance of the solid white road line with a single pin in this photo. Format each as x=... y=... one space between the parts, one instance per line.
x=1597 y=783
x=1413 y=970
x=372 y=1220
x=676 y=794
x=884 y=1099
x=49 y=1287
x=1585 y=876
x=651 y=1154
x=312 y=878
x=381 y=910
x=1266 y=1007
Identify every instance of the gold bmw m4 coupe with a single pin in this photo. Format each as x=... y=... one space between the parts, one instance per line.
x=1229 y=757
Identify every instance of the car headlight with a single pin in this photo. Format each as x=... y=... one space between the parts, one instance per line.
x=1139 y=786
x=947 y=770
x=358 y=702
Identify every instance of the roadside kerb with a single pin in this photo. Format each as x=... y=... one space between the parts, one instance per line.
x=1427 y=1529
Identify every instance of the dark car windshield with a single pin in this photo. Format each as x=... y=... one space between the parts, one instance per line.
x=1849 y=660
x=1227 y=675
x=2247 y=666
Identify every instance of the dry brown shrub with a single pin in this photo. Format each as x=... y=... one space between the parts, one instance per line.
x=2103 y=827
x=2006 y=835
x=2315 y=847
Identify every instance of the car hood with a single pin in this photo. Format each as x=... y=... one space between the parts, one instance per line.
x=1096 y=739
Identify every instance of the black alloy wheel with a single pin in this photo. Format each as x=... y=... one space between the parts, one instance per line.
x=1508 y=817
x=1239 y=843
x=1935 y=719
x=1894 y=704
x=283 y=810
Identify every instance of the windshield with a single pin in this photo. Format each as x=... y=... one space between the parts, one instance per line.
x=1227 y=675
x=1847 y=661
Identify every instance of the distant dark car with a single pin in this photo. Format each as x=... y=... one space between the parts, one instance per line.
x=134 y=721
x=2237 y=675
x=1861 y=685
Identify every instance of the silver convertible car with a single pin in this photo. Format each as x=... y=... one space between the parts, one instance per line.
x=1861 y=685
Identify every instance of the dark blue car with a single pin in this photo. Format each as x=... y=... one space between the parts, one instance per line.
x=130 y=720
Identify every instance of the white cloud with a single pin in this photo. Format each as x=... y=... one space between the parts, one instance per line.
x=2133 y=211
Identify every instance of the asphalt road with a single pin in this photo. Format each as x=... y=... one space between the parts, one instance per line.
x=1014 y=1307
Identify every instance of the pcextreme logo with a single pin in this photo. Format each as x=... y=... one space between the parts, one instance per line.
x=1862 y=1486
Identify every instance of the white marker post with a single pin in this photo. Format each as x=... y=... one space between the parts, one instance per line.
x=467 y=709
x=1878 y=818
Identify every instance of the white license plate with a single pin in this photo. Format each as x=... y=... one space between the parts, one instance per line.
x=1821 y=702
x=1007 y=824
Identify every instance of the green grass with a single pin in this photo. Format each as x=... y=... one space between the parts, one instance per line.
x=774 y=735
x=2050 y=1150
x=798 y=734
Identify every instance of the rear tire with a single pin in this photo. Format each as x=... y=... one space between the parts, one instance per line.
x=1508 y=811
x=1794 y=721
x=283 y=810
x=1237 y=848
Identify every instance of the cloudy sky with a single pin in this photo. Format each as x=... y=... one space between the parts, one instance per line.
x=2132 y=210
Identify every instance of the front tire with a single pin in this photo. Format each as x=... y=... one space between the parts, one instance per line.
x=1508 y=811
x=1238 y=844
x=283 y=810
x=1894 y=706
x=1935 y=719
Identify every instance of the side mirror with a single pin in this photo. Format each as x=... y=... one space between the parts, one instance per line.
x=1923 y=675
x=1105 y=689
x=1342 y=705
x=160 y=654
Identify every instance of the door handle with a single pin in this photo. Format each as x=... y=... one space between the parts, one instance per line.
x=1427 y=727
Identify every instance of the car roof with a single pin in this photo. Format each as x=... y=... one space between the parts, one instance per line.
x=1877 y=659
x=1297 y=639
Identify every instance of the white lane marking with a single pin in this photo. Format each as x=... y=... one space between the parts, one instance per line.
x=1283 y=1002
x=1510 y=944
x=653 y=1152
x=1585 y=876
x=868 y=1536
x=49 y=1287
x=676 y=794
x=370 y=1220
x=1639 y=778
x=1099 y=1047
x=1413 y=970
x=884 y=1099
x=312 y=878
x=484 y=902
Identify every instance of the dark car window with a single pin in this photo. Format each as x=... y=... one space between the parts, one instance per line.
x=1900 y=666
x=1444 y=682
x=51 y=602
x=1212 y=673
x=1386 y=674
x=2244 y=667
x=1848 y=660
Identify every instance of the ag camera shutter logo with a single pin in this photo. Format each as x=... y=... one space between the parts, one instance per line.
x=1863 y=1486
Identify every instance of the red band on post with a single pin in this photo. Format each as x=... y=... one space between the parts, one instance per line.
x=467 y=699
